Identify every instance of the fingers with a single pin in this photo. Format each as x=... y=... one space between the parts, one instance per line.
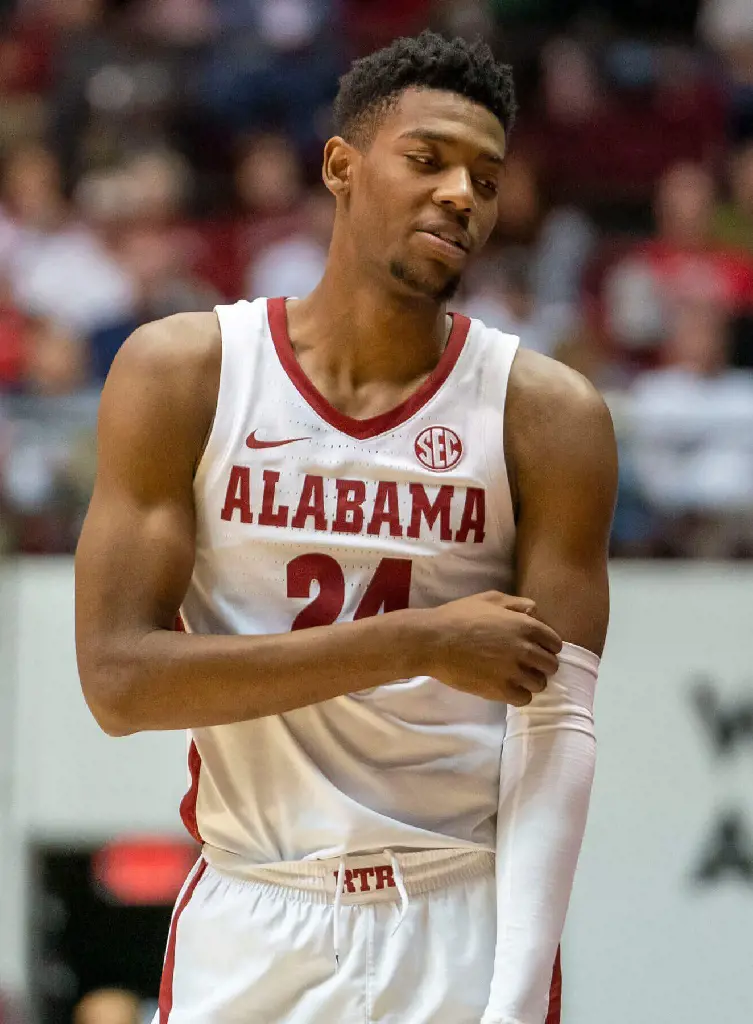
x=538 y=659
x=538 y=631
x=518 y=604
x=543 y=635
x=518 y=697
x=533 y=681
x=518 y=694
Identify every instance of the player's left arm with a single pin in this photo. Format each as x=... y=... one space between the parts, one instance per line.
x=561 y=456
x=562 y=460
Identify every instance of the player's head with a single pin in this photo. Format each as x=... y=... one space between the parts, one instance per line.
x=108 y=1006
x=422 y=128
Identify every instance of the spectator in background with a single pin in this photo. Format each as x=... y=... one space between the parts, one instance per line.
x=727 y=26
x=268 y=178
x=25 y=59
x=519 y=204
x=531 y=286
x=138 y=208
x=604 y=133
x=261 y=206
x=182 y=197
x=160 y=266
x=684 y=261
x=150 y=188
x=183 y=23
x=46 y=472
x=294 y=265
x=108 y=1006
x=371 y=24
x=734 y=227
x=734 y=218
x=565 y=244
x=13 y=341
x=691 y=424
x=117 y=89
x=56 y=360
x=685 y=257
x=274 y=63
x=502 y=295
x=58 y=268
x=270 y=190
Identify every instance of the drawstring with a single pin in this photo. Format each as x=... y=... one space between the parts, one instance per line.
x=338 y=903
x=397 y=874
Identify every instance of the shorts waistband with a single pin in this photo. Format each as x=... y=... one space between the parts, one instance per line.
x=367 y=878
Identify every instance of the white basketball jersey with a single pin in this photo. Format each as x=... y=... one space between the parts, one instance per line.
x=306 y=517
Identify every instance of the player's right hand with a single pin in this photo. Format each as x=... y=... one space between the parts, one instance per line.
x=492 y=645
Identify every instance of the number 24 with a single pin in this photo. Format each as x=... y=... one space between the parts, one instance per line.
x=389 y=589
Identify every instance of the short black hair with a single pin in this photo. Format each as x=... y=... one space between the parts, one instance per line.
x=428 y=61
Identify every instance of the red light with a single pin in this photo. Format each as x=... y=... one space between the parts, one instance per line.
x=143 y=872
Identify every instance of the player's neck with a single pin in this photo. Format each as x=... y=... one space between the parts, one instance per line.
x=367 y=332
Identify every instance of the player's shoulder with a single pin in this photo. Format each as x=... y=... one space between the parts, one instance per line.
x=554 y=413
x=540 y=381
x=174 y=348
x=164 y=382
x=547 y=393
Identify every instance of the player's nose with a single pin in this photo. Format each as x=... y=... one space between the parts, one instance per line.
x=456 y=191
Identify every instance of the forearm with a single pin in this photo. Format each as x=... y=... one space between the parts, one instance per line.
x=546 y=776
x=167 y=680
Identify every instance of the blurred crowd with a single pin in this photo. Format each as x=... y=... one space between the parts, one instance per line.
x=159 y=156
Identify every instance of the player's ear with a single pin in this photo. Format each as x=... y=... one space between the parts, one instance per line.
x=336 y=167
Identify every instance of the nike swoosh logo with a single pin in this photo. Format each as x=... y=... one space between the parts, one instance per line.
x=253 y=442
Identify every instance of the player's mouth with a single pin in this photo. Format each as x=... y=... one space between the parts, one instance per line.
x=453 y=246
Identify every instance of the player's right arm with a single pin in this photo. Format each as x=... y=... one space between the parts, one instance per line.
x=136 y=554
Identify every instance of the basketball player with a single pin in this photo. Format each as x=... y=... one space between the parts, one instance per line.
x=385 y=530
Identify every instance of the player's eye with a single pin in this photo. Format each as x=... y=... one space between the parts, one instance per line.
x=488 y=185
x=423 y=158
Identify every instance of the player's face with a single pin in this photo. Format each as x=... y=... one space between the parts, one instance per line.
x=424 y=195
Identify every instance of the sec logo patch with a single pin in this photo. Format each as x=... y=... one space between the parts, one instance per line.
x=438 y=448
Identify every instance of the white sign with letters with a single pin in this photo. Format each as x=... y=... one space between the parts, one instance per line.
x=661 y=923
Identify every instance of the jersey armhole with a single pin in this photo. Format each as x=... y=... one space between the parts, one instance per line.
x=502 y=350
x=210 y=428
x=236 y=325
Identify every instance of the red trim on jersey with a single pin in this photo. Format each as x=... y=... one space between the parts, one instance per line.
x=188 y=803
x=168 y=970
x=555 y=994
x=363 y=429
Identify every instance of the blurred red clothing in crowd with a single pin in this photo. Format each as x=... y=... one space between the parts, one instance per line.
x=13 y=348
x=721 y=275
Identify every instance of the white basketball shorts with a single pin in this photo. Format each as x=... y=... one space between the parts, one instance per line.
x=383 y=939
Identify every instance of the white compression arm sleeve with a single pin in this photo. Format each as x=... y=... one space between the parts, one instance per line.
x=547 y=771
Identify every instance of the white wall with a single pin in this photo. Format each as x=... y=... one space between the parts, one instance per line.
x=73 y=781
x=11 y=891
x=645 y=944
